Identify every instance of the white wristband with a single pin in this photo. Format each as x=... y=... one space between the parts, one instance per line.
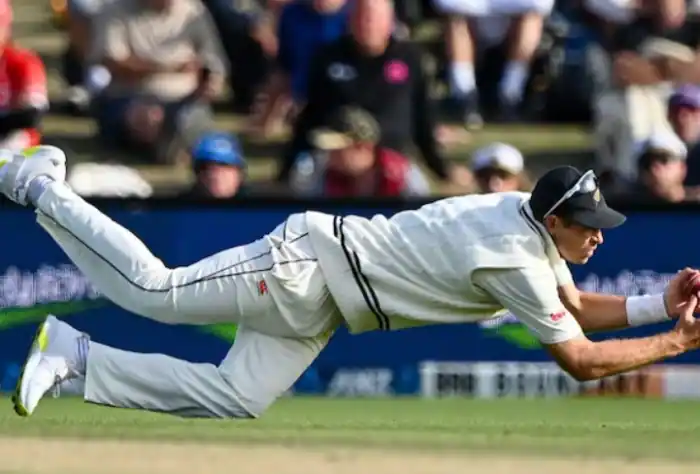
x=646 y=309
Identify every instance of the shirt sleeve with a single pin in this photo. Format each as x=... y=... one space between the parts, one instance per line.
x=531 y=295
x=207 y=43
x=562 y=273
x=110 y=40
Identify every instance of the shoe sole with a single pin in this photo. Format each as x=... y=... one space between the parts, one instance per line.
x=37 y=348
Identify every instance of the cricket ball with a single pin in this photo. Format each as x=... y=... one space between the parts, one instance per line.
x=692 y=286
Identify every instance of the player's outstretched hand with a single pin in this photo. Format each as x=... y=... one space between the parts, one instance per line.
x=688 y=326
x=679 y=290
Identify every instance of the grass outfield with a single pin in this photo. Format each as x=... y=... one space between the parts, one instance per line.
x=409 y=435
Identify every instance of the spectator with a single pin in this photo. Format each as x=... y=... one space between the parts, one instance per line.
x=350 y=162
x=303 y=27
x=24 y=97
x=499 y=167
x=247 y=31
x=645 y=48
x=512 y=26
x=684 y=116
x=219 y=167
x=85 y=80
x=166 y=64
x=371 y=69
x=59 y=12
x=662 y=170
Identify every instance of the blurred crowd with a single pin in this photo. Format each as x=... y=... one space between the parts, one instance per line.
x=347 y=81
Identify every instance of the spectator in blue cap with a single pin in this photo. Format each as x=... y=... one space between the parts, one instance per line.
x=219 y=166
x=684 y=116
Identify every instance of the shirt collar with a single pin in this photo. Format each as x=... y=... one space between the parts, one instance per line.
x=539 y=228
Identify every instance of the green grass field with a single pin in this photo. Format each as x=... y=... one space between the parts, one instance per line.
x=410 y=435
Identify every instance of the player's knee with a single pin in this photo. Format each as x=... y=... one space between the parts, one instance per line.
x=246 y=400
x=231 y=407
x=244 y=405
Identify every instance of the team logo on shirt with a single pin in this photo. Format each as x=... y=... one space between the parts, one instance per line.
x=396 y=72
x=341 y=72
x=556 y=317
x=262 y=288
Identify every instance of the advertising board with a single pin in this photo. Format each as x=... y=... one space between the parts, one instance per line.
x=489 y=380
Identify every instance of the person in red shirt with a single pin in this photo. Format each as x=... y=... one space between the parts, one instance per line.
x=349 y=163
x=23 y=89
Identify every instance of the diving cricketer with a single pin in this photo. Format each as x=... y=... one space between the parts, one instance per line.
x=456 y=260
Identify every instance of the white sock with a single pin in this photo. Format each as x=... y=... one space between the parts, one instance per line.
x=72 y=386
x=83 y=350
x=462 y=79
x=97 y=78
x=512 y=83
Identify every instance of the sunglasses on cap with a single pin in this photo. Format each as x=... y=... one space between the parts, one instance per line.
x=587 y=183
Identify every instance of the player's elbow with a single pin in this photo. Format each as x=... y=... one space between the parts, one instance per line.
x=579 y=369
x=583 y=373
x=577 y=358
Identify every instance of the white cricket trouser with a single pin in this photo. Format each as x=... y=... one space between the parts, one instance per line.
x=273 y=289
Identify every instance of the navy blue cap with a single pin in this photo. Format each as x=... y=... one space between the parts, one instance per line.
x=220 y=148
x=587 y=207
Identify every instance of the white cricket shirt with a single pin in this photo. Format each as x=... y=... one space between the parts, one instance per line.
x=456 y=260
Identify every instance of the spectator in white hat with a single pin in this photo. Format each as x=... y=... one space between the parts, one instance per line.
x=500 y=167
x=661 y=163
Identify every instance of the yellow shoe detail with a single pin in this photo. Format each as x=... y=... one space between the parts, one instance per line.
x=29 y=152
x=41 y=340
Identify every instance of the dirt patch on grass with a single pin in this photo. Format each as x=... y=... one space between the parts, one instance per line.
x=42 y=456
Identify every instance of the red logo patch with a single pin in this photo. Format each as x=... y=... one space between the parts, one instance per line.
x=557 y=316
x=262 y=287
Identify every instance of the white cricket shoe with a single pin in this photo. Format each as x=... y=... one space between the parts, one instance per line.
x=53 y=360
x=18 y=169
